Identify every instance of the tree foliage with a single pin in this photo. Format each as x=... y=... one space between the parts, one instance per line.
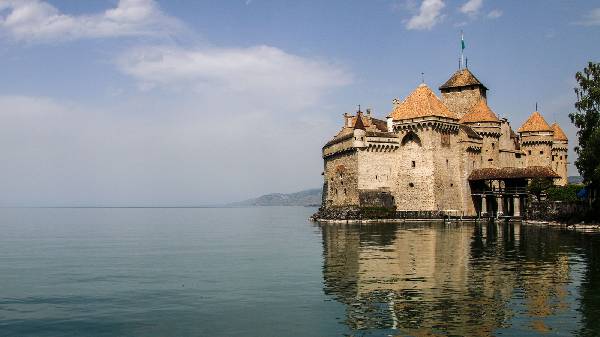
x=539 y=186
x=564 y=193
x=587 y=120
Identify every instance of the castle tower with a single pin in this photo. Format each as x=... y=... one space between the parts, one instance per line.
x=559 y=154
x=462 y=91
x=485 y=122
x=427 y=163
x=537 y=139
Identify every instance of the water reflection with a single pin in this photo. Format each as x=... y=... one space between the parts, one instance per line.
x=467 y=280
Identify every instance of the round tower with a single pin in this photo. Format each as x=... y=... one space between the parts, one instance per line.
x=485 y=122
x=560 y=147
x=537 y=138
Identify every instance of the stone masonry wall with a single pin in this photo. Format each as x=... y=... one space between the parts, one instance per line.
x=341 y=179
x=460 y=100
x=446 y=162
x=414 y=188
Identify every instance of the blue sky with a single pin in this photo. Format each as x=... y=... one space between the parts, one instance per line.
x=195 y=102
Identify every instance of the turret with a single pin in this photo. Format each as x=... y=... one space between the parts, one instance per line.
x=560 y=146
x=537 y=138
x=485 y=122
x=462 y=91
x=360 y=133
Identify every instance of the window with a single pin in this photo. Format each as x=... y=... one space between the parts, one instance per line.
x=560 y=157
x=445 y=139
x=541 y=152
x=447 y=163
x=451 y=185
x=344 y=191
x=411 y=184
x=414 y=164
x=529 y=152
x=375 y=177
x=493 y=146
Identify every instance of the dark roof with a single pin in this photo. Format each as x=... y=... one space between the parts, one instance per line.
x=462 y=78
x=358 y=124
x=512 y=173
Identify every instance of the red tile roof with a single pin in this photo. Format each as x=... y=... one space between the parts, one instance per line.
x=535 y=122
x=422 y=102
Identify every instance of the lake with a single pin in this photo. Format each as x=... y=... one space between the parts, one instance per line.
x=269 y=272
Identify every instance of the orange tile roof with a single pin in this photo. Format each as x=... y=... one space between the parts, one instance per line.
x=535 y=122
x=461 y=78
x=422 y=102
x=480 y=112
x=369 y=123
x=559 y=134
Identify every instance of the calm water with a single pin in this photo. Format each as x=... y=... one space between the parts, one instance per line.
x=269 y=272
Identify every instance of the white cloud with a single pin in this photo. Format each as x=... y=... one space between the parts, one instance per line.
x=429 y=15
x=260 y=72
x=471 y=7
x=591 y=19
x=39 y=21
x=144 y=152
x=494 y=14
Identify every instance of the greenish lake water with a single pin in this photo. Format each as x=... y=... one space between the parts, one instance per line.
x=269 y=272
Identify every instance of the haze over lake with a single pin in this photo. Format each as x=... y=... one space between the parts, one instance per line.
x=267 y=271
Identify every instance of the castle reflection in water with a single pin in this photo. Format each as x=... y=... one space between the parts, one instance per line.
x=467 y=280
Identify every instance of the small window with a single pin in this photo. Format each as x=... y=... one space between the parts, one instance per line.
x=473 y=164
x=517 y=155
x=341 y=175
x=541 y=152
x=529 y=152
x=490 y=159
x=414 y=164
x=560 y=157
x=493 y=146
x=375 y=177
x=451 y=185
x=342 y=182
x=344 y=191
x=447 y=163
x=411 y=184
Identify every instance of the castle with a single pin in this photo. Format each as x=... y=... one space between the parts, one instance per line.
x=448 y=155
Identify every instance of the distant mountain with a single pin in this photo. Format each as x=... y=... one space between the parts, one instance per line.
x=575 y=180
x=310 y=197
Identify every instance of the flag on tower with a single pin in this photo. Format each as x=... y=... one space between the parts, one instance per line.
x=462 y=40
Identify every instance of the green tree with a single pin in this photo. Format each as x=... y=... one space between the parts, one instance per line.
x=587 y=120
x=539 y=186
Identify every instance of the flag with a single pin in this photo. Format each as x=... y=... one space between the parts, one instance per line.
x=462 y=41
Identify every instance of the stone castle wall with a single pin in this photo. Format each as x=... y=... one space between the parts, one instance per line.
x=459 y=100
x=341 y=177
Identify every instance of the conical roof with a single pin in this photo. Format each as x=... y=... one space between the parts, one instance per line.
x=559 y=134
x=358 y=123
x=461 y=78
x=422 y=102
x=534 y=123
x=480 y=112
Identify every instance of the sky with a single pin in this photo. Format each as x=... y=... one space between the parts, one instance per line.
x=185 y=102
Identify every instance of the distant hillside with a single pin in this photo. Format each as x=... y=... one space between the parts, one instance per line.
x=310 y=197
x=575 y=180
